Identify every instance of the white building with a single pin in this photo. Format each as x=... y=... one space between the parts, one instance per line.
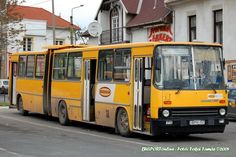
x=38 y=31
x=134 y=21
x=209 y=21
x=37 y=23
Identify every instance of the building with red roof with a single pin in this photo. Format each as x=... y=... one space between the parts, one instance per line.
x=134 y=21
x=38 y=28
x=35 y=13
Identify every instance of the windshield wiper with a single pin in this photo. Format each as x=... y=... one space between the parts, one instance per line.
x=178 y=91
x=212 y=87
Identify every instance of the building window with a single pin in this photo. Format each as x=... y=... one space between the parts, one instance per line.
x=192 y=28
x=30 y=66
x=122 y=65
x=218 y=26
x=74 y=66
x=105 y=65
x=59 y=42
x=59 y=70
x=229 y=71
x=22 y=66
x=115 y=25
x=40 y=63
x=27 y=44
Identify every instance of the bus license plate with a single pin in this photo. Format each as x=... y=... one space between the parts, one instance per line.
x=197 y=122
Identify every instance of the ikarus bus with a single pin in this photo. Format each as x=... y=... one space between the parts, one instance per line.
x=149 y=88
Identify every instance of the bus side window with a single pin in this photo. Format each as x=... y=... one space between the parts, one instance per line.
x=74 y=66
x=40 y=66
x=22 y=66
x=60 y=63
x=105 y=71
x=122 y=65
x=30 y=66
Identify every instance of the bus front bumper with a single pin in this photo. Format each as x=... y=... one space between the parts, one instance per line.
x=188 y=125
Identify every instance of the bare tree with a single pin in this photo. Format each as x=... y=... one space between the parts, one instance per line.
x=9 y=18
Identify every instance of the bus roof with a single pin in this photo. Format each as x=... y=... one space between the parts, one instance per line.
x=74 y=48
x=28 y=53
x=56 y=47
x=49 y=47
x=141 y=44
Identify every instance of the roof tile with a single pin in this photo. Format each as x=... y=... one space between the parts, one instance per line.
x=27 y=12
x=131 y=5
x=151 y=11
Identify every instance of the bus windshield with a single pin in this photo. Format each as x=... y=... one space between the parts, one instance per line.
x=188 y=67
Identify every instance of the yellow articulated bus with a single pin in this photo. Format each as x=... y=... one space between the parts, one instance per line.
x=150 y=88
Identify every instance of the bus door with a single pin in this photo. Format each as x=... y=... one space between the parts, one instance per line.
x=142 y=90
x=13 y=87
x=89 y=90
x=138 y=90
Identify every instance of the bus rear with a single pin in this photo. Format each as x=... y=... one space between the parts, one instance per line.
x=188 y=93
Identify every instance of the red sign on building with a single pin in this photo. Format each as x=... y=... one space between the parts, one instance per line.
x=160 y=33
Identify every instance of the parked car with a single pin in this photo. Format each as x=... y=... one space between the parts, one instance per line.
x=232 y=103
x=3 y=86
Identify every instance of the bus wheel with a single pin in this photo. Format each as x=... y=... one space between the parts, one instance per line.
x=21 y=108
x=63 y=114
x=122 y=122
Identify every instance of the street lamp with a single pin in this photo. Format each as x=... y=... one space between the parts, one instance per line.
x=71 y=21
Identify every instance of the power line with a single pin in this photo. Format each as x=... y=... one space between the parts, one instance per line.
x=40 y=3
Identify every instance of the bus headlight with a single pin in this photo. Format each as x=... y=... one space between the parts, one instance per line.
x=222 y=111
x=166 y=113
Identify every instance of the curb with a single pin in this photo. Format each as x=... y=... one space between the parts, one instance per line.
x=4 y=107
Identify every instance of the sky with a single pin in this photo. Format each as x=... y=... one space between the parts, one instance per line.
x=81 y=16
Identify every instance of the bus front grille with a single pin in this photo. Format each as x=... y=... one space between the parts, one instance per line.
x=187 y=113
x=192 y=112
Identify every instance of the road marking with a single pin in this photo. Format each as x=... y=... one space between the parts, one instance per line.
x=77 y=132
x=13 y=153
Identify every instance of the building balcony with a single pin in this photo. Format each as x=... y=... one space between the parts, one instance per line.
x=113 y=36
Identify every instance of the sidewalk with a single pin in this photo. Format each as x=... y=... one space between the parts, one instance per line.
x=4 y=107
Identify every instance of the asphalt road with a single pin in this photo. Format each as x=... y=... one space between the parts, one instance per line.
x=40 y=136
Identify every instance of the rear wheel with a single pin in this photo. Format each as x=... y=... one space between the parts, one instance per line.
x=122 y=122
x=63 y=114
x=21 y=107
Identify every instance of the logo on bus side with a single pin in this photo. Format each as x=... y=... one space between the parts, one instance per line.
x=105 y=92
x=215 y=96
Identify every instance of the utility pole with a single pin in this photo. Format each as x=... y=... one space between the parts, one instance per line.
x=71 y=30
x=1 y=47
x=53 y=24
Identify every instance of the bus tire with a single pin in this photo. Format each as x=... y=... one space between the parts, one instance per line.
x=63 y=114
x=21 y=107
x=122 y=123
